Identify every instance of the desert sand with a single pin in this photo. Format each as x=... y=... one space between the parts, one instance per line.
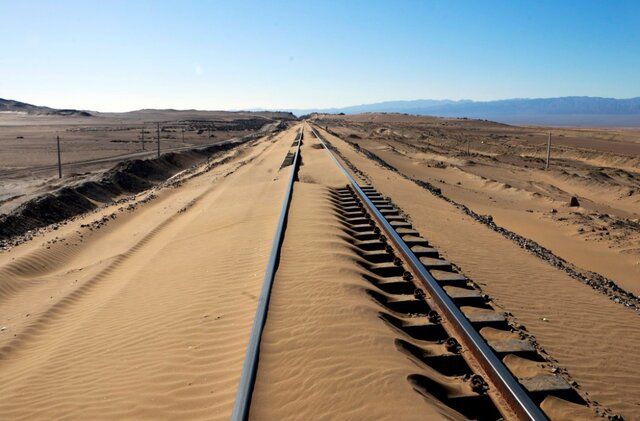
x=91 y=145
x=144 y=315
x=325 y=352
x=503 y=177
x=592 y=336
x=142 y=308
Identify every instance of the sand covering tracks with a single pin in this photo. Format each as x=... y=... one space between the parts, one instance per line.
x=147 y=315
x=591 y=336
x=497 y=172
x=325 y=353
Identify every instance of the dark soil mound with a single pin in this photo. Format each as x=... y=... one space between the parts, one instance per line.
x=125 y=178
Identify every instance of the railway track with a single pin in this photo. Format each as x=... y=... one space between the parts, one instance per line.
x=471 y=359
x=250 y=366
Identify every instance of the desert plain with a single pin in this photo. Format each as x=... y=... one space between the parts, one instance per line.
x=140 y=303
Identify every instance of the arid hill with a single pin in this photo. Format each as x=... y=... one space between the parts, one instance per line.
x=11 y=106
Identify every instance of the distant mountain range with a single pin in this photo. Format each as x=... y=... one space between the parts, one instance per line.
x=570 y=111
x=562 y=111
x=9 y=105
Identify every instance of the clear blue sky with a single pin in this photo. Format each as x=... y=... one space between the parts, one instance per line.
x=124 y=55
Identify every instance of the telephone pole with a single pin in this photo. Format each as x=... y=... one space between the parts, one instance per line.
x=158 y=140
x=59 y=161
x=548 y=151
x=183 y=135
x=142 y=138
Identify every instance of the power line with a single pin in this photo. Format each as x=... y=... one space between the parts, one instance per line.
x=548 y=151
x=158 y=140
x=59 y=160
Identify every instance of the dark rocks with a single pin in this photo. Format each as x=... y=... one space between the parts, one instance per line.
x=574 y=202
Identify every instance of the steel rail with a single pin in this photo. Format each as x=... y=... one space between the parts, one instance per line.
x=509 y=388
x=242 y=404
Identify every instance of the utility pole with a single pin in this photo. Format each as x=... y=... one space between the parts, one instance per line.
x=183 y=135
x=59 y=161
x=158 y=140
x=468 y=147
x=548 y=151
x=142 y=138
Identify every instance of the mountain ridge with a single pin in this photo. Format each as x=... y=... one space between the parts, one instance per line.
x=10 y=105
x=570 y=110
x=13 y=106
x=560 y=111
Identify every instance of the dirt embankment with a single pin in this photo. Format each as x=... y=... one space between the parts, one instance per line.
x=125 y=178
x=583 y=210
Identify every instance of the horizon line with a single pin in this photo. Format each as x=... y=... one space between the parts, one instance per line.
x=311 y=109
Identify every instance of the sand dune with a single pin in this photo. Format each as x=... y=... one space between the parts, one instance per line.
x=148 y=315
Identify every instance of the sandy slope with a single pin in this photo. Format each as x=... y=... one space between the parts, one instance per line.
x=594 y=338
x=325 y=353
x=504 y=177
x=147 y=316
x=523 y=202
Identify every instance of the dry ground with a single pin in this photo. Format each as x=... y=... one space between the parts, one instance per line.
x=592 y=336
x=503 y=176
x=325 y=352
x=143 y=309
x=90 y=145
